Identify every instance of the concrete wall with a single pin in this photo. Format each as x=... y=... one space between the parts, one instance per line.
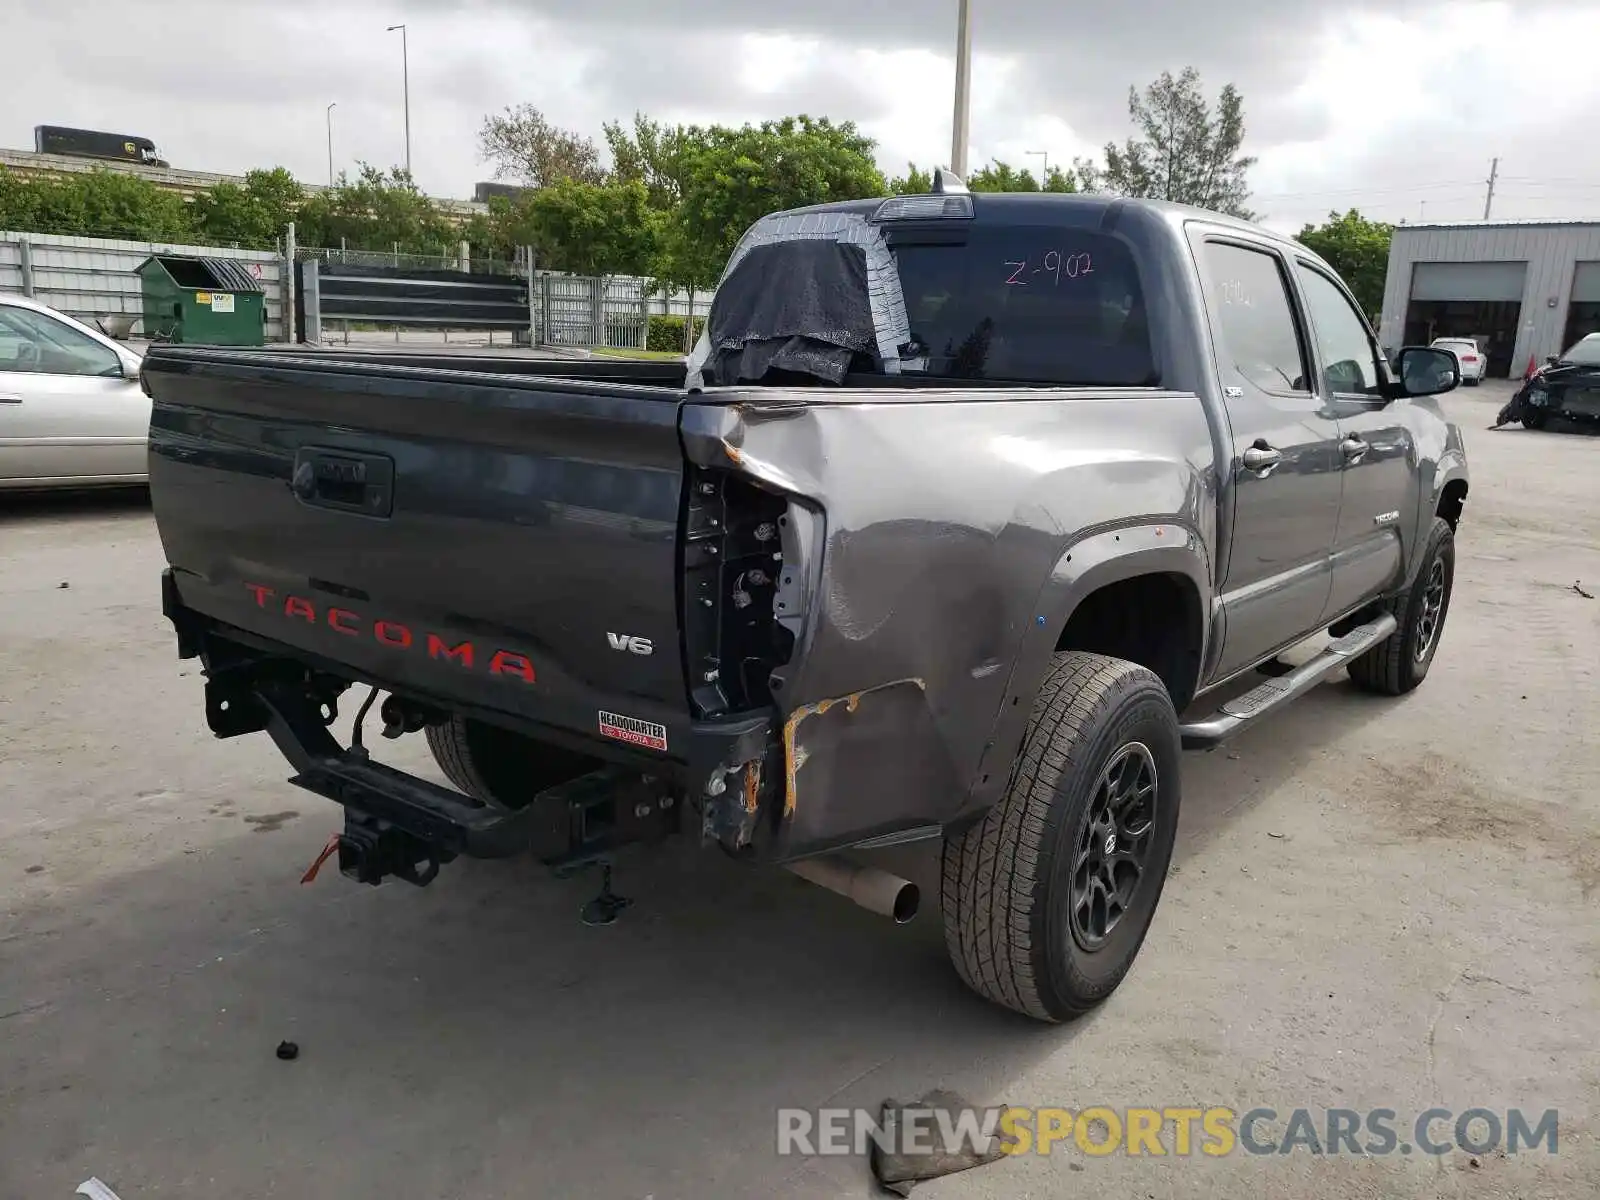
x=1551 y=250
x=90 y=278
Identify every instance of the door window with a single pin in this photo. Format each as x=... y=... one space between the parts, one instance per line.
x=34 y=343
x=1349 y=365
x=1258 y=339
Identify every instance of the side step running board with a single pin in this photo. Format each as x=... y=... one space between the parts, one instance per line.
x=1264 y=698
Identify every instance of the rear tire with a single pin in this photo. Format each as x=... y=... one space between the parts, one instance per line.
x=502 y=769
x=1400 y=662
x=1048 y=898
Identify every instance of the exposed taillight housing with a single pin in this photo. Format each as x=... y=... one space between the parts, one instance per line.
x=731 y=567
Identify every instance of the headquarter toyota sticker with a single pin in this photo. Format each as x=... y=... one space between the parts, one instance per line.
x=634 y=731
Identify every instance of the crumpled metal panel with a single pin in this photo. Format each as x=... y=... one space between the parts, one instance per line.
x=927 y=540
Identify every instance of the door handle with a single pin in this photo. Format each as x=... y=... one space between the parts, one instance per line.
x=1353 y=448
x=1261 y=457
x=10 y=398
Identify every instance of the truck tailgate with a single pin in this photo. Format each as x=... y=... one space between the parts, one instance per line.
x=507 y=542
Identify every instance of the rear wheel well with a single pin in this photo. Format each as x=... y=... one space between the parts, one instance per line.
x=1451 y=501
x=1153 y=620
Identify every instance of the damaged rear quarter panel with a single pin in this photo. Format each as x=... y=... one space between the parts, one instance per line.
x=941 y=516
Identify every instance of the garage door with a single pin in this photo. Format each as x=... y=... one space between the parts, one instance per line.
x=1468 y=281
x=1586 y=283
x=1583 y=314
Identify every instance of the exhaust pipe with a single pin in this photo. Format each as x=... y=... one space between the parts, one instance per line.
x=873 y=889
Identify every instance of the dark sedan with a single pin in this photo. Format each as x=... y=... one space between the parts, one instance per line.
x=1567 y=386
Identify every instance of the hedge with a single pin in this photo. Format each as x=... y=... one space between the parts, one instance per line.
x=666 y=333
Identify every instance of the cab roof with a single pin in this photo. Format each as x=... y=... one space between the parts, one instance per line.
x=1031 y=208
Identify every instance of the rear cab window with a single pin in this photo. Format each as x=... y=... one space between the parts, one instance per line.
x=1030 y=304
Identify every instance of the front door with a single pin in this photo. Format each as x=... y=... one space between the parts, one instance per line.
x=66 y=409
x=1379 y=498
x=1286 y=459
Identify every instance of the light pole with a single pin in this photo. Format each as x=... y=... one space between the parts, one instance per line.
x=958 y=132
x=405 y=76
x=331 y=107
x=1044 y=169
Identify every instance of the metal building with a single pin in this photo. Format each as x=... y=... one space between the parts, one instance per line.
x=1526 y=289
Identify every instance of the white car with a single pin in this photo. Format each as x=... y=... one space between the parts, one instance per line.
x=1474 y=363
x=71 y=410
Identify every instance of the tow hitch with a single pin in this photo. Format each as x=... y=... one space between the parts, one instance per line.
x=398 y=825
x=370 y=849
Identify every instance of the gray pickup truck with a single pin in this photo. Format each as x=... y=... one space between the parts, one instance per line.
x=971 y=513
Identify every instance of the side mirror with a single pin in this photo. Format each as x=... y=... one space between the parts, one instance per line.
x=130 y=367
x=1425 y=371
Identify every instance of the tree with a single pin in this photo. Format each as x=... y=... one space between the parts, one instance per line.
x=1356 y=248
x=491 y=235
x=253 y=214
x=651 y=153
x=997 y=176
x=107 y=204
x=589 y=228
x=915 y=182
x=19 y=202
x=1187 y=151
x=377 y=211
x=524 y=145
x=733 y=177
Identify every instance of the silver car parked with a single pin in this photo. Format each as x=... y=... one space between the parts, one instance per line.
x=71 y=410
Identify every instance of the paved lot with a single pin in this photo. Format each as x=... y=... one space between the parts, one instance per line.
x=1375 y=904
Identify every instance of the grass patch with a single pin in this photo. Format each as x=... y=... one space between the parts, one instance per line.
x=615 y=352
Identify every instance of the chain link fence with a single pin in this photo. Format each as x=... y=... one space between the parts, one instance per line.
x=612 y=311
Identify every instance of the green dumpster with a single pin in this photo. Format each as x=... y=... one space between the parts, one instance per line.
x=202 y=301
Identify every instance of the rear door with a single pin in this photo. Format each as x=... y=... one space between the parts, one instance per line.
x=1377 y=450
x=66 y=409
x=1285 y=455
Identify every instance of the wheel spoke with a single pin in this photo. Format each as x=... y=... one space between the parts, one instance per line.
x=1133 y=857
x=1132 y=774
x=1108 y=866
x=1430 y=614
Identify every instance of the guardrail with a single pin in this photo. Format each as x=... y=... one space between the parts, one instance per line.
x=345 y=294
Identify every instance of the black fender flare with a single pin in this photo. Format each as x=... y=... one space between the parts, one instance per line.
x=1094 y=560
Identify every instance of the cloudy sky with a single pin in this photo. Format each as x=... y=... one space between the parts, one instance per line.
x=1395 y=107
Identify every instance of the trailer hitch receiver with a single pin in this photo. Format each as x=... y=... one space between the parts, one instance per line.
x=371 y=849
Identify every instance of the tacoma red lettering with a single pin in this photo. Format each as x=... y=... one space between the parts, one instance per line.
x=391 y=633
x=439 y=648
x=396 y=635
x=506 y=663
